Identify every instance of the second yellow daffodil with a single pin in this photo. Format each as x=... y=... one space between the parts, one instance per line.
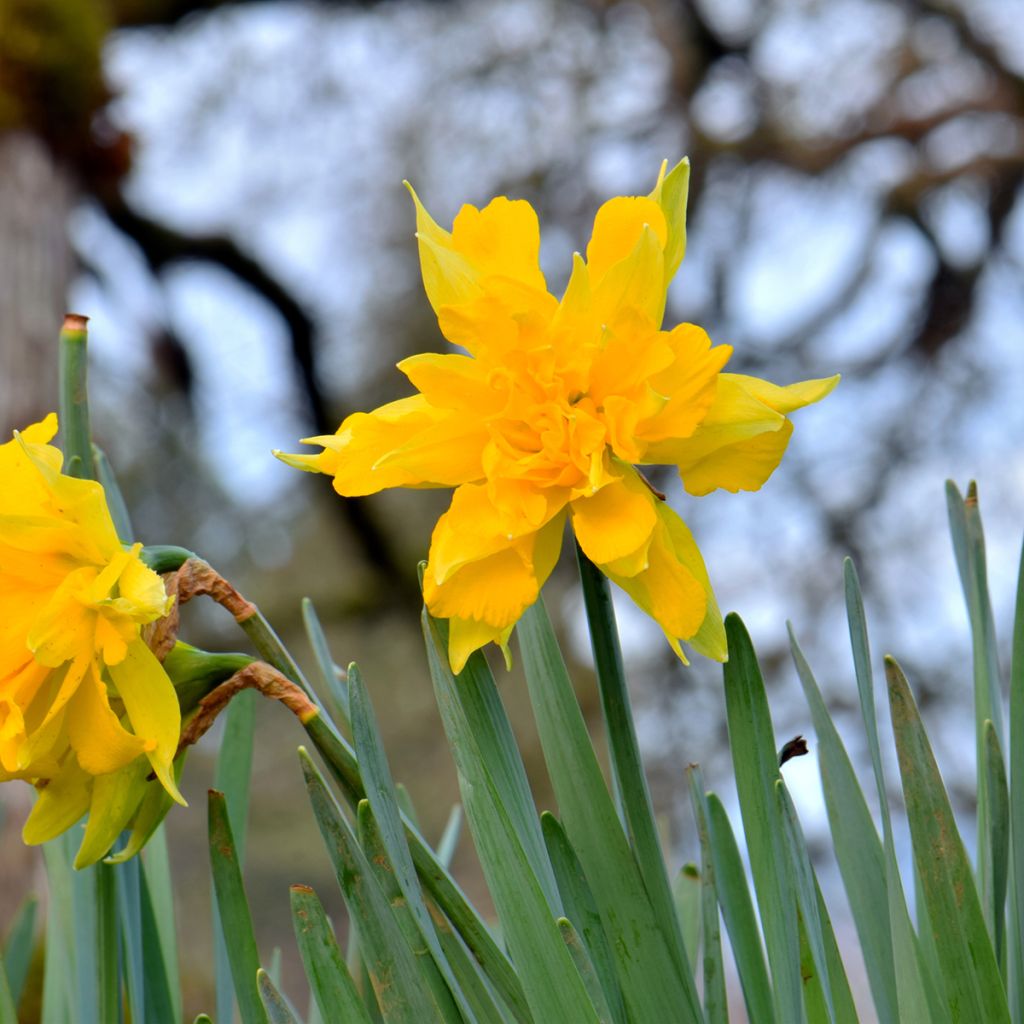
x=548 y=410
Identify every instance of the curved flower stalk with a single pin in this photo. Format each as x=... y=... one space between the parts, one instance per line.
x=550 y=408
x=87 y=711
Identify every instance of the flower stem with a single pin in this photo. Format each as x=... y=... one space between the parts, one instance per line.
x=74 y=397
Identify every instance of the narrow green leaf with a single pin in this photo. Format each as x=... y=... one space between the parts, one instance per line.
x=917 y=988
x=1017 y=801
x=19 y=945
x=756 y=766
x=581 y=958
x=969 y=548
x=112 y=491
x=738 y=914
x=716 y=1009
x=387 y=820
x=233 y=911
x=160 y=963
x=334 y=691
x=273 y=1002
x=59 y=970
x=806 y=898
x=999 y=835
x=397 y=982
x=624 y=752
x=8 y=1008
x=449 y=840
x=857 y=847
x=581 y=908
x=654 y=985
x=341 y=762
x=505 y=827
x=487 y=1005
x=377 y=857
x=686 y=895
x=842 y=995
x=973 y=985
x=329 y=980
x=128 y=891
x=232 y=777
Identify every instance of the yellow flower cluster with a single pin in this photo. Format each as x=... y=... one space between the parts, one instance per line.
x=547 y=411
x=87 y=711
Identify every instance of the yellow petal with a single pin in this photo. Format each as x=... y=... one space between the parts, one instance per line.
x=115 y=798
x=670 y=194
x=501 y=240
x=499 y=587
x=618 y=227
x=152 y=707
x=636 y=284
x=100 y=741
x=743 y=437
x=674 y=588
x=468 y=635
x=452 y=382
x=617 y=521
x=60 y=803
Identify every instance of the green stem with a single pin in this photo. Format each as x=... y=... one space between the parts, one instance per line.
x=74 y=397
x=624 y=750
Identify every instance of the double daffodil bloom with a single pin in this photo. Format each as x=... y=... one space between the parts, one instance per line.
x=548 y=410
x=87 y=711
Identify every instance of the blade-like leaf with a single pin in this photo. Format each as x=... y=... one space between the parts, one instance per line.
x=1017 y=800
x=18 y=947
x=999 y=835
x=581 y=908
x=857 y=847
x=654 y=985
x=738 y=914
x=233 y=911
x=396 y=979
x=331 y=687
x=273 y=1002
x=498 y=812
x=973 y=985
x=756 y=766
x=329 y=980
x=716 y=1010
x=581 y=958
x=387 y=822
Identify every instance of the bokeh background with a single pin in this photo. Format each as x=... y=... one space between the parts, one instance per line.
x=218 y=186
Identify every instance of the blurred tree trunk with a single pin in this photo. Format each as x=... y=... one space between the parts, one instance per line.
x=35 y=267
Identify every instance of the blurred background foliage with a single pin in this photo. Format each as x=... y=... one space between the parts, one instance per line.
x=218 y=186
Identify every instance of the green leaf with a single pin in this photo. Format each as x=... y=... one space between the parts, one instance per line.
x=232 y=778
x=973 y=985
x=8 y=1010
x=1016 y=801
x=159 y=945
x=581 y=908
x=857 y=847
x=581 y=958
x=392 y=968
x=128 y=883
x=999 y=835
x=233 y=911
x=387 y=819
x=506 y=831
x=273 y=1002
x=716 y=1010
x=738 y=914
x=449 y=840
x=329 y=980
x=331 y=686
x=623 y=748
x=654 y=986
x=19 y=945
x=756 y=766
x=686 y=895
x=916 y=985
x=115 y=499
x=384 y=871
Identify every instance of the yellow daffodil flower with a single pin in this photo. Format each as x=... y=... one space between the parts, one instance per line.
x=87 y=711
x=549 y=408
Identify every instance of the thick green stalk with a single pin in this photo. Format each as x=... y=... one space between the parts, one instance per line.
x=74 y=397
